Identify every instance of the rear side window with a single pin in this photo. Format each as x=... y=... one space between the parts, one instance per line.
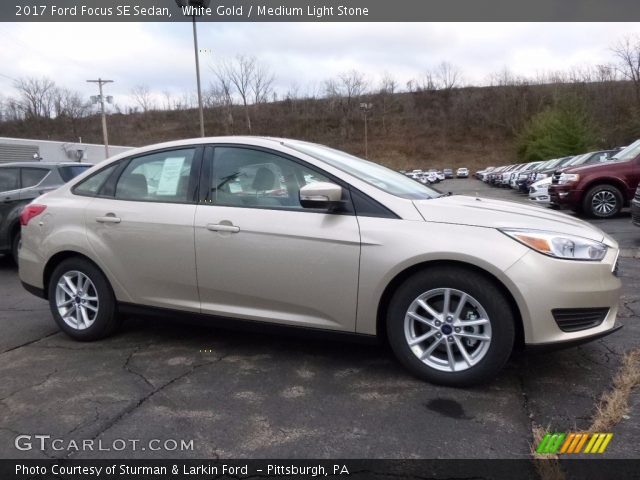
x=159 y=177
x=9 y=179
x=70 y=172
x=92 y=185
x=33 y=176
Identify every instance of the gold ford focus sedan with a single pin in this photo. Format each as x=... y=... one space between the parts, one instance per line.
x=302 y=235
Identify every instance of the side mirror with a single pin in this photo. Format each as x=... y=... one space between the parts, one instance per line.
x=320 y=195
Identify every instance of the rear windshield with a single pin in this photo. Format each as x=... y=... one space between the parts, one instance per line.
x=72 y=171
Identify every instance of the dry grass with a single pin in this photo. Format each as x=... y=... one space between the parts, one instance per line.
x=614 y=404
x=547 y=466
x=610 y=411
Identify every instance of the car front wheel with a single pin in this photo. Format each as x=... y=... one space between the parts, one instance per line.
x=603 y=201
x=451 y=326
x=82 y=301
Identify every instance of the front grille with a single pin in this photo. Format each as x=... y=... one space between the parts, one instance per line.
x=576 y=319
x=637 y=196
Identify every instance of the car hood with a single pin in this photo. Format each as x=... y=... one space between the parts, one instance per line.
x=544 y=181
x=484 y=212
x=590 y=168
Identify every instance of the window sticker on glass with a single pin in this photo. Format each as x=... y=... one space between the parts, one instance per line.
x=170 y=176
x=235 y=187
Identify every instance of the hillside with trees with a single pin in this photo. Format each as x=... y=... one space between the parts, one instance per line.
x=435 y=120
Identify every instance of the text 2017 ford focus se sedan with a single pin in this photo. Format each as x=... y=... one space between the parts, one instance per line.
x=298 y=234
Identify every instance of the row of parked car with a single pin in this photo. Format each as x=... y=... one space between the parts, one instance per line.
x=598 y=184
x=433 y=175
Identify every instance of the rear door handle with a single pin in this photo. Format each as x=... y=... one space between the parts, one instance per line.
x=108 y=218
x=219 y=227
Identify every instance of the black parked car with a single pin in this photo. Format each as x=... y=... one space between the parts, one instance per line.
x=19 y=184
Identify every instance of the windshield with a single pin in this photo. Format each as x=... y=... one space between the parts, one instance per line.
x=372 y=173
x=579 y=159
x=628 y=153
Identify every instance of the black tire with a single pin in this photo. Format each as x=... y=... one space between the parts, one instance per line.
x=15 y=246
x=482 y=289
x=610 y=192
x=106 y=320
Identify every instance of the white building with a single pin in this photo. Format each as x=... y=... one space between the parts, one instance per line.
x=24 y=150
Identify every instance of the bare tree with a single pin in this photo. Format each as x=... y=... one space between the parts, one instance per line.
x=386 y=96
x=240 y=73
x=222 y=90
x=143 y=97
x=344 y=92
x=447 y=76
x=35 y=97
x=262 y=84
x=627 y=50
x=168 y=103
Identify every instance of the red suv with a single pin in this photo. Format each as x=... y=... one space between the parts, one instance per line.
x=600 y=190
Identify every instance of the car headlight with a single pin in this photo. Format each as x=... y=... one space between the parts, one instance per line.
x=559 y=245
x=568 y=178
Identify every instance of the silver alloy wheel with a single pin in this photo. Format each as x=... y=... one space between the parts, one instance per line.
x=604 y=202
x=77 y=300
x=447 y=329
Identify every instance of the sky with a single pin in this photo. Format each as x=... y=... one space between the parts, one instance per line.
x=160 y=55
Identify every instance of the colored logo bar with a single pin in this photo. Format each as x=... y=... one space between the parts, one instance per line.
x=561 y=443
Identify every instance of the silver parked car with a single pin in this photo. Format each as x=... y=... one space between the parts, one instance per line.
x=299 y=234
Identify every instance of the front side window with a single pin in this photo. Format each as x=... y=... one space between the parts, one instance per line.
x=91 y=186
x=33 y=176
x=245 y=177
x=159 y=177
x=9 y=179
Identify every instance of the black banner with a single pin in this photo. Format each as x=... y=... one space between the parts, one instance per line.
x=596 y=469
x=319 y=10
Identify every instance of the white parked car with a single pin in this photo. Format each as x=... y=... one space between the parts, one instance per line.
x=286 y=232
x=462 y=172
x=539 y=191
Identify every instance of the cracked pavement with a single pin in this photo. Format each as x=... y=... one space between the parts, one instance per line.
x=251 y=395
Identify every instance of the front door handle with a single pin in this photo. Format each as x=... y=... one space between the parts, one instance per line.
x=219 y=227
x=108 y=218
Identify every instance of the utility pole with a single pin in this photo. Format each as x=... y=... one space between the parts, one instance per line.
x=195 y=48
x=101 y=99
x=365 y=107
x=199 y=7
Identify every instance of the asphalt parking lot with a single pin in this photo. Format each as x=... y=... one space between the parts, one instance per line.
x=240 y=395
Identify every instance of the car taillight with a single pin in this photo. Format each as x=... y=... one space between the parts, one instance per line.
x=29 y=212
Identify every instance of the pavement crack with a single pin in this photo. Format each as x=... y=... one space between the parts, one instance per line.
x=30 y=342
x=149 y=395
x=129 y=369
x=46 y=379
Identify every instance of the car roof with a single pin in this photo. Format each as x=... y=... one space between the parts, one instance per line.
x=44 y=164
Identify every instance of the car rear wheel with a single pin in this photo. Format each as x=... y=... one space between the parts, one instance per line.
x=82 y=301
x=602 y=201
x=451 y=326
x=15 y=246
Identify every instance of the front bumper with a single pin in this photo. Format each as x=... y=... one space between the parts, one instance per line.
x=564 y=196
x=543 y=284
